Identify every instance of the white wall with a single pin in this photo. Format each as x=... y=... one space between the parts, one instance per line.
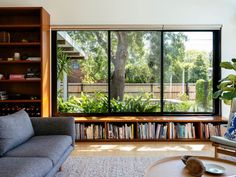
x=75 y=12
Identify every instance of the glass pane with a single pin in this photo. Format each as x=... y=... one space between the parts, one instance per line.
x=82 y=71
x=188 y=71
x=135 y=71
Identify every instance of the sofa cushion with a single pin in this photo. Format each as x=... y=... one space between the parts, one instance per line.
x=52 y=146
x=15 y=129
x=223 y=141
x=24 y=166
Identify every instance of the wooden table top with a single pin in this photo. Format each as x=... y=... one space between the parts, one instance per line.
x=174 y=167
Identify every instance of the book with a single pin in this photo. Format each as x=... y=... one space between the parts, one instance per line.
x=16 y=77
x=32 y=78
x=34 y=59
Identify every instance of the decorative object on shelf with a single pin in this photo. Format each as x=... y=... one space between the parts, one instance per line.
x=3 y=95
x=194 y=166
x=24 y=56
x=33 y=74
x=34 y=98
x=4 y=37
x=1 y=76
x=9 y=59
x=24 y=40
x=16 y=56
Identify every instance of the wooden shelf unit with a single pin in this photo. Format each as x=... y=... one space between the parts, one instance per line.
x=197 y=121
x=29 y=31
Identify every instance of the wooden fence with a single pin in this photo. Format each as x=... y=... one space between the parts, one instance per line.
x=170 y=91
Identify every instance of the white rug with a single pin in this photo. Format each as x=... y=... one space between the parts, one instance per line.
x=106 y=166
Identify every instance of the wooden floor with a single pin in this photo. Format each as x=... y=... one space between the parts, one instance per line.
x=142 y=148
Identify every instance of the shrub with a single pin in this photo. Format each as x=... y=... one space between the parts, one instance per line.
x=98 y=103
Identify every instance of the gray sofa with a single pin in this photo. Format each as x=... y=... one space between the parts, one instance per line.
x=34 y=147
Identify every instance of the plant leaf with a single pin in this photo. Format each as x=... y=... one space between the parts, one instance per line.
x=226 y=65
x=217 y=94
x=228 y=95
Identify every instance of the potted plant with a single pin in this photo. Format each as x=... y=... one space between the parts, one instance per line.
x=227 y=86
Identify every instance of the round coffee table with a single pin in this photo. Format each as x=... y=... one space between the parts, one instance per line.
x=174 y=167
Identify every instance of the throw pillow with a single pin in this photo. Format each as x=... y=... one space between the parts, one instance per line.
x=15 y=129
x=231 y=131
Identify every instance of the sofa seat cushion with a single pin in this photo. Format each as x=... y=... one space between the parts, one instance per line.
x=52 y=147
x=24 y=166
x=223 y=141
x=15 y=129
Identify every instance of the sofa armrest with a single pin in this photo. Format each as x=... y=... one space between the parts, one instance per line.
x=54 y=126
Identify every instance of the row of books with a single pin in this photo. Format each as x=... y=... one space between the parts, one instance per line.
x=120 y=131
x=92 y=131
x=209 y=129
x=182 y=130
x=152 y=131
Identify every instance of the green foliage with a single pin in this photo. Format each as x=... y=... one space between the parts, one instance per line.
x=183 y=106
x=227 y=86
x=199 y=69
x=70 y=106
x=63 y=64
x=140 y=61
x=132 y=104
x=94 y=70
x=203 y=95
x=138 y=73
x=98 y=104
x=94 y=44
x=174 y=51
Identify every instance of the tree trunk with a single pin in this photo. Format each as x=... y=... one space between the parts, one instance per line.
x=119 y=61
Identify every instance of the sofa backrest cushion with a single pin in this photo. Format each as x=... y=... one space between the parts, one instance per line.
x=15 y=129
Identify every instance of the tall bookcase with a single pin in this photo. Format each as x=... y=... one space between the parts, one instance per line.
x=169 y=128
x=27 y=32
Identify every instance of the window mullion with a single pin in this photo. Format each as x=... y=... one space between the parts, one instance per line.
x=109 y=70
x=162 y=73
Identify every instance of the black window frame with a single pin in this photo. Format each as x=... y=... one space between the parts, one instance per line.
x=216 y=75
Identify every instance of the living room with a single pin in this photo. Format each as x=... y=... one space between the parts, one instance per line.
x=117 y=88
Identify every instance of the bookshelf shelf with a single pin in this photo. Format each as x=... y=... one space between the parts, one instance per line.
x=24 y=27
x=20 y=62
x=20 y=44
x=149 y=127
x=14 y=81
x=20 y=101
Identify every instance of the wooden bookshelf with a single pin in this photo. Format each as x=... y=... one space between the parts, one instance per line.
x=105 y=122
x=28 y=29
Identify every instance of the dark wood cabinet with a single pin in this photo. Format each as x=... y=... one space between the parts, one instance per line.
x=27 y=33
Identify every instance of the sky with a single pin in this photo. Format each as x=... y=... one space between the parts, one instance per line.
x=199 y=41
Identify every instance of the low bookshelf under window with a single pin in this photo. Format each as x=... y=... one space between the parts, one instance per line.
x=179 y=128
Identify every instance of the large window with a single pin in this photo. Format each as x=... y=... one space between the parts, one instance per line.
x=126 y=72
